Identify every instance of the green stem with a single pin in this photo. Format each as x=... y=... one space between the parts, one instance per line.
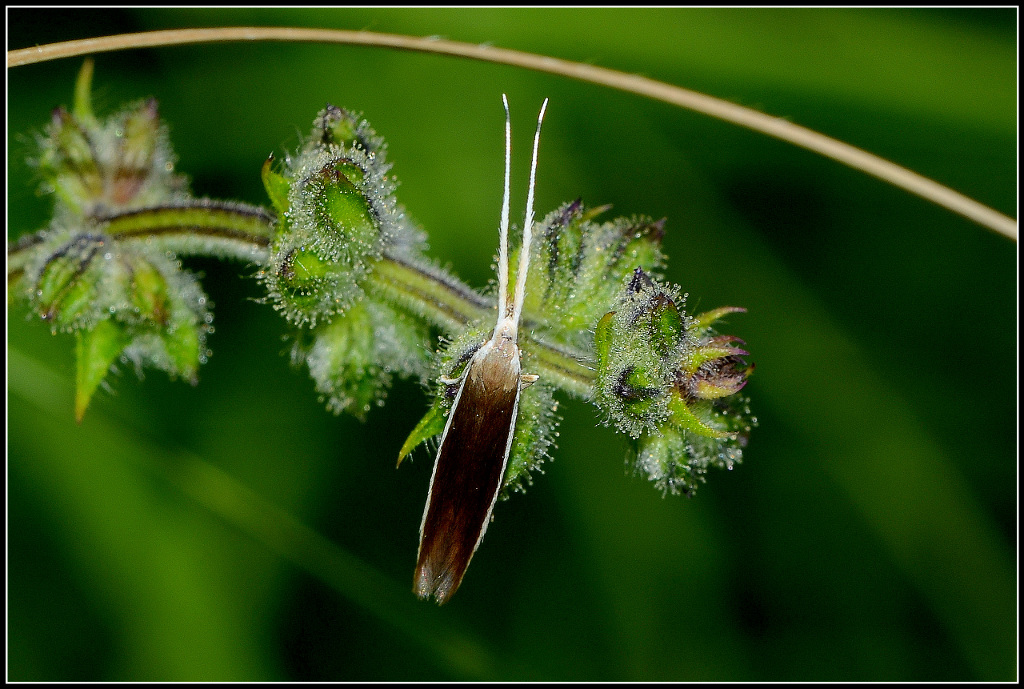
x=203 y=227
x=439 y=298
x=560 y=366
x=233 y=230
x=451 y=305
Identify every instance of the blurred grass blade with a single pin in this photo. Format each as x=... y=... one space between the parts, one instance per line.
x=126 y=530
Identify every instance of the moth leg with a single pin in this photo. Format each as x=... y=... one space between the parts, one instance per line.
x=526 y=380
x=462 y=360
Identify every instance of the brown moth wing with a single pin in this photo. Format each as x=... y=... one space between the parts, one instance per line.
x=469 y=469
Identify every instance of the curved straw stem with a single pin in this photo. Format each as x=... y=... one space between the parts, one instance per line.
x=714 y=107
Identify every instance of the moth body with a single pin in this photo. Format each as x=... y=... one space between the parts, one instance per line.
x=470 y=465
x=471 y=460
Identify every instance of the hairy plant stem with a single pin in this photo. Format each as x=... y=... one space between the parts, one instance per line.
x=450 y=305
x=204 y=220
x=239 y=231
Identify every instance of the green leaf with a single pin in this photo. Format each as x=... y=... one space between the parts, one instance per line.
x=83 y=93
x=603 y=341
x=95 y=350
x=344 y=365
x=430 y=425
x=704 y=320
x=666 y=325
x=276 y=185
x=684 y=417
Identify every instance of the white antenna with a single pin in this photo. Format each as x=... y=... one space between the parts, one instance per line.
x=503 y=231
x=524 y=251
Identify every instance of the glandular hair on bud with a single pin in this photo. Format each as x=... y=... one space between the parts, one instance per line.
x=340 y=217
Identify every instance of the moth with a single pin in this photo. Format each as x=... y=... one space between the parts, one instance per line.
x=473 y=454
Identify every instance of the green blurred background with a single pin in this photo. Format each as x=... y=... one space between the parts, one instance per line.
x=238 y=531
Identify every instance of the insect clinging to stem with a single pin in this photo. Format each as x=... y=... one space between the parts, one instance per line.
x=477 y=437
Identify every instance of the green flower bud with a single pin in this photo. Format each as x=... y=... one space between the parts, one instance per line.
x=353 y=357
x=696 y=436
x=334 y=125
x=99 y=168
x=639 y=347
x=338 y=217
x=124 y=299
x=65 y=288
x=67 y=164
x=122 y=302
x=663 y=459
x=149 y=293
x=327 y=245
x=169 y=318
x=714 y=369
x=556 y=260
x=138 y=141
x=670 y=382
x=578 y=267
x=341 y=362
